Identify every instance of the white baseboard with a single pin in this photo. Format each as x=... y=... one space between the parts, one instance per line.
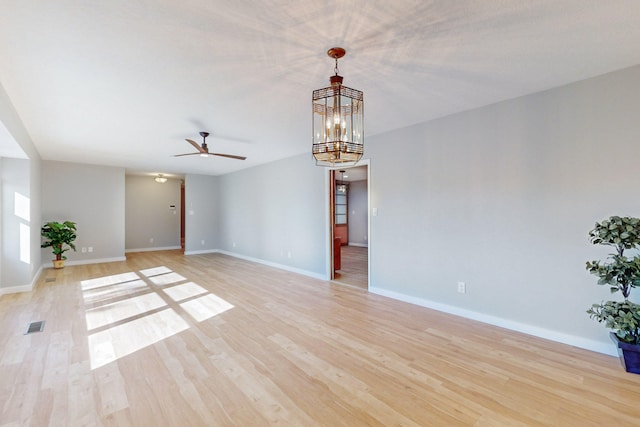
x=536 y=331
x=276 y=265
x=16 y=289
x=165 y=248
x=204 y=251
x=88 y=261
x=22 y=288
x=360 y=245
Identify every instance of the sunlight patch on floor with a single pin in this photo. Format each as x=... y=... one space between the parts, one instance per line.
x=206 y=307
x=124 y=309
x=130 y=311
x=182 y=292
x=166 y=279
x=148 y=272
x=116 y=342
x=104 y=293
x=108 y=280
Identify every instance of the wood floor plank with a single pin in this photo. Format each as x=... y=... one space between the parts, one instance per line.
x=211 y=340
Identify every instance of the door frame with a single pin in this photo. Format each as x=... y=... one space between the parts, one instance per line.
x=329 y=181
x=182 y=216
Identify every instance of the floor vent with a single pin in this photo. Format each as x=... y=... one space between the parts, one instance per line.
x=35 y=327
x=50 y=279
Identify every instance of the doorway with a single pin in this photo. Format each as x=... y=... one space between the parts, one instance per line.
x=349 y=230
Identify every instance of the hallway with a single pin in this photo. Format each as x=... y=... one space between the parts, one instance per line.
x=354 y=268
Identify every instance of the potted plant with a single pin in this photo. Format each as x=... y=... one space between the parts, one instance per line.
x=621 y=273
x=59 y=236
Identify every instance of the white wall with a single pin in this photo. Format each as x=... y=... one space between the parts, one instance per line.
x=502 y=198
x=358 y=213
x=93 y=197
x=20 y=277
x=277 y=213
x=152 y=212
x=202 y=202
x=16 y=223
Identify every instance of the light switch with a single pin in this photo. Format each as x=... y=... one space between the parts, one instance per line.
x=374 y=211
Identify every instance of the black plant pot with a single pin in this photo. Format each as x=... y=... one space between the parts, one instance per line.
x=629 y=354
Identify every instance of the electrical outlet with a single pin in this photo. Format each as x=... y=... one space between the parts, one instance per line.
x=289 y=254
x=90 y=249
x=462 y=288
x=202 y=242
x=84 y=250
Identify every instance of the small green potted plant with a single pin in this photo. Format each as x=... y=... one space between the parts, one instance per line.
x=621 y=273
x=59 y=236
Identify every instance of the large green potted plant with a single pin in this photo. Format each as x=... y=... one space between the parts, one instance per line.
x=621 y=273
x=59 y=236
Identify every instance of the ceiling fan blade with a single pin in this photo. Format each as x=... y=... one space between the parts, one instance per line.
x=186 y=154
x=231 y=156
x=196 y=145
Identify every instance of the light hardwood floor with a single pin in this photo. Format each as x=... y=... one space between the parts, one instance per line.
x=168 y=340
x=354 y=270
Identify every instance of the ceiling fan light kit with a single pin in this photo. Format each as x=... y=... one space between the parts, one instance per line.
x=203 y=149
x=338 y=121
x=161 y=179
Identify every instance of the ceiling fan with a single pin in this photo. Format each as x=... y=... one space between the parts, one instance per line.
x=203 y=150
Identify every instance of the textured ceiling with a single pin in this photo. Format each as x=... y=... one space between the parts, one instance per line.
x=123 y=83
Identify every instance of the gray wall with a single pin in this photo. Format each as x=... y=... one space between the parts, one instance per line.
x=277 y=213
x=148 y=213
x=358 y=213
x=93 y=197
x=502 y=198
x=202 y=206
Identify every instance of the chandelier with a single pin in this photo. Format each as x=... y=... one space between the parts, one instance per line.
x=338 y=121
